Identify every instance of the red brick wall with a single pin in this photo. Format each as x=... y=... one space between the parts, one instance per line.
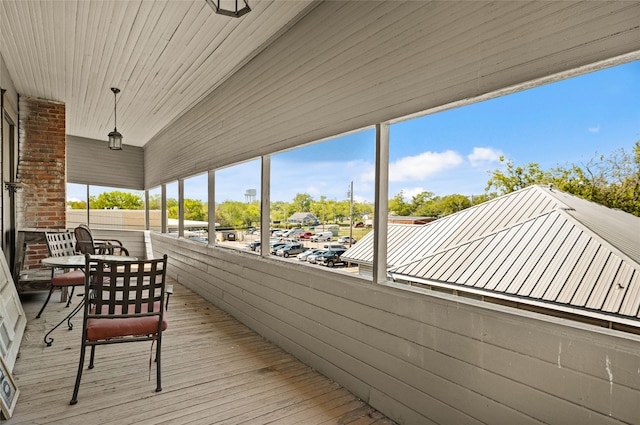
x=42 y=170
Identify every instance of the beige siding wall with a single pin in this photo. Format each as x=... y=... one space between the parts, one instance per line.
x=421 y=358
x=347 y=65
x=92 y=162
x=133 y=240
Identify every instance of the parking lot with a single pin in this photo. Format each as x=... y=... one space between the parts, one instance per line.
x=245 y=240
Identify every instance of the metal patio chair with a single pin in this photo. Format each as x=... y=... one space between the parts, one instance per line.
x=86 y=244
x=60 y=245
x=125 y=302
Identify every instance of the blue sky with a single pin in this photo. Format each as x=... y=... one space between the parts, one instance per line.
x=566 y=122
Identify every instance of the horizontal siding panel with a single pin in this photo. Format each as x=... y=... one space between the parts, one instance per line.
x=92 y=162
x=132 y=240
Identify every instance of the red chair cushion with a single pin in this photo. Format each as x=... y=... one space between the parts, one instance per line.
x=99 y=329
x=72 y=278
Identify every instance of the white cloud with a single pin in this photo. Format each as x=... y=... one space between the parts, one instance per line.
x=422 y=166
x=483 y=156
x=409 y=192
x=595 y=129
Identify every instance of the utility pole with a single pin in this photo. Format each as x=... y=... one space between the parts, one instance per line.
x=351 y=214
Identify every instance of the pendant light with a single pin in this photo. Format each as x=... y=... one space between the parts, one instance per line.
x=233 y=8
x=115 y=138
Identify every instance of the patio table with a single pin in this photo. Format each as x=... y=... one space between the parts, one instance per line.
x=77 y=262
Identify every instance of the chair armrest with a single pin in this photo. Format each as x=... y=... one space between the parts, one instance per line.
x=111 y=247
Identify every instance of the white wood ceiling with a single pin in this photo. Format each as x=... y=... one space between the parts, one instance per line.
x=164 y=56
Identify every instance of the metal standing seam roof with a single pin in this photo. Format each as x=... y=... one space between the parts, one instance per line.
x=538 y=246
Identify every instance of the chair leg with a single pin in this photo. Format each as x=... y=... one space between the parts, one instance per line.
x=70 y=296
x=74 y=398
x=158 y=370
x=93 y=355
x=46 y=302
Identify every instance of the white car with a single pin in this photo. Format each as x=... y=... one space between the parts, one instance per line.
x=312 y=257
x=304 y=255
x=322 y=236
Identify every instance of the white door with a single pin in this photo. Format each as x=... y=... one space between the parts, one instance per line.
x=12 y=318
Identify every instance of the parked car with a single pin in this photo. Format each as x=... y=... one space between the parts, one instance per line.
x=275 y=246
x=345 y=240
x=330 y=258
x=333 y=246
x=359 y=224
x=312 y=257
x=253 y=246
x=304 y=235
x=303 y=255
x=290 y=249
x=321 y=236
x=227 y=235
x=293 y=233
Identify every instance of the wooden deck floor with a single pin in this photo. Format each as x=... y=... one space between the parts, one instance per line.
x=215 y=371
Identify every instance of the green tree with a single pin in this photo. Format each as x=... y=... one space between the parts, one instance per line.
x=420 y=199
x=172 y=208
x=77 y=205
x=399 y=206
x=341 y=210
x=317 y=208
x=195 y=209
x=278 y=210
x=116 y=199
x=360 y=209
x=251 y=214
x=611 y=180
x=155 y=202
x=451 y=204
x=516 y=177
x=301 y=203
x=230 y=214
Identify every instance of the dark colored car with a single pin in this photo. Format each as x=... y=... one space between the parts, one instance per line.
x=330 y=258
x=253 y=245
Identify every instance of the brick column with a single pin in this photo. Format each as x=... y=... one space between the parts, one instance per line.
x=42 y=169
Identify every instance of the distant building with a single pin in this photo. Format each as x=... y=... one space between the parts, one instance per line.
x=538 y=248
x=303 y=219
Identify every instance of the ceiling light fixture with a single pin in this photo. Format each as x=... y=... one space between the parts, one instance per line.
x=115 y=138
x=229 y=7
